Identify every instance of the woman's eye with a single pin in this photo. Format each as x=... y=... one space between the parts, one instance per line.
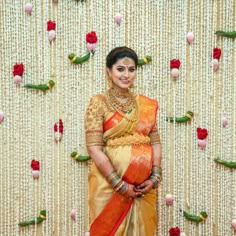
x=132 y=70
x=120 y=69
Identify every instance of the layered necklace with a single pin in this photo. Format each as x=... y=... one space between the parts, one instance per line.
x=114 y=98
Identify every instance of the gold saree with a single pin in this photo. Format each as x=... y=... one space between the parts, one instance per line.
x=127 y=143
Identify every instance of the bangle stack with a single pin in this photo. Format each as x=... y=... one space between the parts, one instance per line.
x=117 y=183
x=156 y=175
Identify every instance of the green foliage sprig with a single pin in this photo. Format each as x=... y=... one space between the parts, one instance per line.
x=43 y=87
x=39 y=219
x=78 y=60
x=229 y=34
x=196 y=218
x=145 y=60
x=76 y=156
x=230 y=164
x=188 y=116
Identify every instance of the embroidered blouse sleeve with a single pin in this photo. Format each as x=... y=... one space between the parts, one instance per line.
x=154 y=134
x=94 y=122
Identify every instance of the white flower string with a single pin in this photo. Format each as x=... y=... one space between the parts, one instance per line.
x=3 y=151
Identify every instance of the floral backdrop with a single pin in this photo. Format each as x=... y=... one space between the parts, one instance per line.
x=53 y=61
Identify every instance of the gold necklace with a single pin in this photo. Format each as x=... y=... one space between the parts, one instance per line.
x=127 y=106
x=119 y=94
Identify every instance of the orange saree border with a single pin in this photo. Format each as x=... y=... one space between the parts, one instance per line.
x=112 y=121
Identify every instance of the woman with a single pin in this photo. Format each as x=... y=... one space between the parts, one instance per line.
x=123 y=141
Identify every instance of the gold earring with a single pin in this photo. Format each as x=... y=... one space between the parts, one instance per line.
x=109 y=81
x=131 y=86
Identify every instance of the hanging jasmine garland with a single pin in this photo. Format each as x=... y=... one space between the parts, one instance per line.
x=39 y=219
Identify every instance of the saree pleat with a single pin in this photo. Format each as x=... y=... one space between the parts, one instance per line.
x=111 y=213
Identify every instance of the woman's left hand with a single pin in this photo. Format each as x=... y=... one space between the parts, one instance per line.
x=144 y=187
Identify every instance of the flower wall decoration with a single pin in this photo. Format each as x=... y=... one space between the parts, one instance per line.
x=228 y=34
x=174 y=66
x=202 y=135
x=230 y=164
x=73 y=214
x=43 y=87
x=91 y=39
x=169 y=199
x=58 y=129
x=35 y=165
x=1 y=116
x=224 y=121
x=196 y=218
x=216 y=58
x=76 y=156
x=233 y=223
x=18 y=70
x=118 y=19
x=187 y=117
x=174 y=231
x=36 y=220
x=51 y=28
x=145 y=60
x=190 y=37
x=28 y=8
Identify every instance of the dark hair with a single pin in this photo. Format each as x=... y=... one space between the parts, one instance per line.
x=118 y=53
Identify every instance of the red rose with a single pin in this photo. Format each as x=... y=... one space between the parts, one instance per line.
x=91 y=37
x=175 y=63
x=51 y=25
x=202 y=133
x=216 y=53
x=18 y=69
x=35 y=165
x=59 y=127
x=174 y=231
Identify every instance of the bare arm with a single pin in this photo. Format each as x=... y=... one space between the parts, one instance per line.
x=157 y=154
x=100 y=159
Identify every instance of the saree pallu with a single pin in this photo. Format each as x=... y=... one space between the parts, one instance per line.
x=129 y=150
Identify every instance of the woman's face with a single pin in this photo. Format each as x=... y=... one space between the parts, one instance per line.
x=123 y=73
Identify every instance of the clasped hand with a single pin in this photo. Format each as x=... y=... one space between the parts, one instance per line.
x=139 y=190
